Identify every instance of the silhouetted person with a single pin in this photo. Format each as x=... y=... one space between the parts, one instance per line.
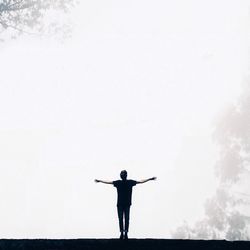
x=124 y=195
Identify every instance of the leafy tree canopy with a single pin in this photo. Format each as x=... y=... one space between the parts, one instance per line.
x=32 y=16
x=227 y=212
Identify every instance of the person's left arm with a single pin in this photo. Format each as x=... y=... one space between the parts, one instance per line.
x=146 y=180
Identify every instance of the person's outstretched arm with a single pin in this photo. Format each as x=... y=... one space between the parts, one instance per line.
x=105 y=182
x=146 y=180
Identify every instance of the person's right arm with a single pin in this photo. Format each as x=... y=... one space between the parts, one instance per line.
x=105 y=182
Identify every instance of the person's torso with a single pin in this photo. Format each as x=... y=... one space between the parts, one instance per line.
x=124 y=192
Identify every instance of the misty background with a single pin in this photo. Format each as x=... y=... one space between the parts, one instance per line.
x=157 y=88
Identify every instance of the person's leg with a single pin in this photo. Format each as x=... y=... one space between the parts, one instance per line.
x=120 y=217
x=126 y=212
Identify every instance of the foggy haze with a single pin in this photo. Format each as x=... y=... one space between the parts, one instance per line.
x=154 y=88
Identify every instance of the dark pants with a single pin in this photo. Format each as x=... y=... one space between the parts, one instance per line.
x=123 y=213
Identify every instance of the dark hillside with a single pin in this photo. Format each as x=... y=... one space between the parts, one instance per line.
x=110 y=244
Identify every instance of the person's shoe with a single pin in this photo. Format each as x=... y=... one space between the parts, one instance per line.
x=126 y=236
x=121 y=236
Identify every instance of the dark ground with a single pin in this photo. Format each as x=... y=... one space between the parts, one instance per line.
x=133 y=244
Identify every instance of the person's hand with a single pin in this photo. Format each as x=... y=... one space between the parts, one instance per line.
x=97 y=181
x=153 y=178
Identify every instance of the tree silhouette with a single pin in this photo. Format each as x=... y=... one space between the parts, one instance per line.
x=28 y=16
x=227 y=212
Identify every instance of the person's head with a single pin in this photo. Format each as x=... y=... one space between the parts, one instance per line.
x=123 y=174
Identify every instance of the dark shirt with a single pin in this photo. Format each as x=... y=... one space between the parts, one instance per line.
x=124 y=191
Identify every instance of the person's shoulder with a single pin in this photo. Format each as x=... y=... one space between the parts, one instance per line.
x=117 y=182
x=132 y=182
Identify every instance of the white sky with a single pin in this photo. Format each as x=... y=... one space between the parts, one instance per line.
x=137 y=87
